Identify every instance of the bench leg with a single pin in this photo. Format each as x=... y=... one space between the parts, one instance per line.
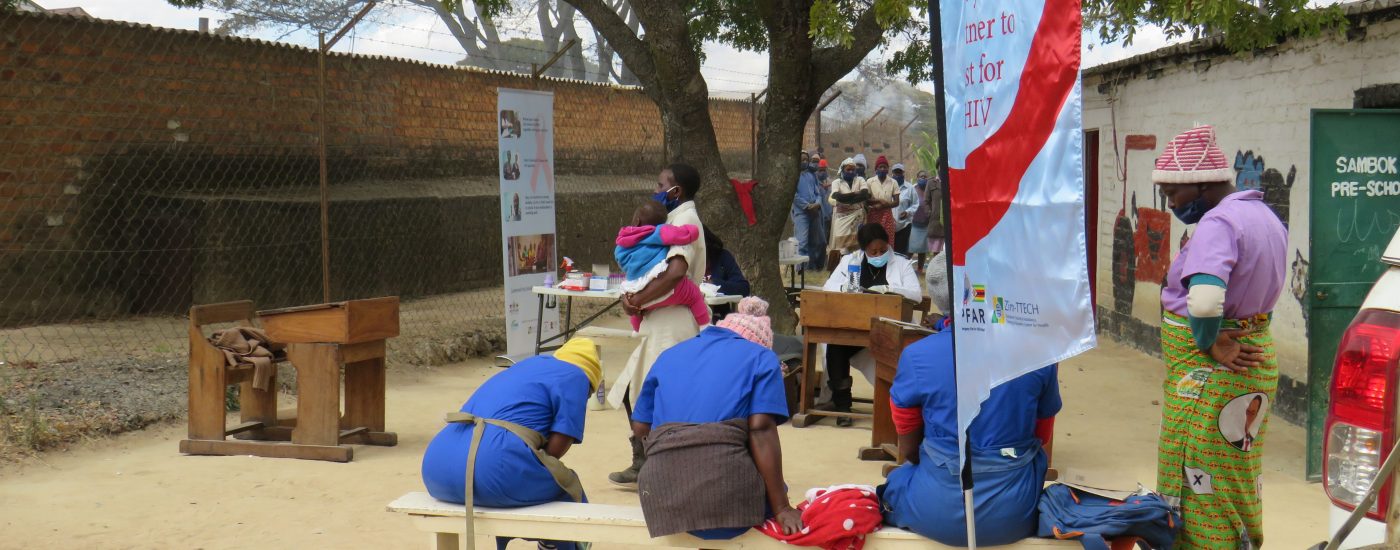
x=446 y=541
x=318 y=393
x=364 y=395
x=206 y=395
x=258 y=405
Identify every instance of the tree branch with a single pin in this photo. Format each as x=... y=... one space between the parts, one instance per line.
x=831 y=63
x=624 y=41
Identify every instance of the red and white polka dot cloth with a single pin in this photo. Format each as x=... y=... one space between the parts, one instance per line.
x=833 y=518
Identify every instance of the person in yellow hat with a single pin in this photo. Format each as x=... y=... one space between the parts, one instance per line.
x=542 y=402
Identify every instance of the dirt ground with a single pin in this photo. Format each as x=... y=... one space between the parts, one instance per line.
x=60 y=383
x=137 y=491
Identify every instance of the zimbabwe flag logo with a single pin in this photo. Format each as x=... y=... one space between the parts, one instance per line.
x=979 y=293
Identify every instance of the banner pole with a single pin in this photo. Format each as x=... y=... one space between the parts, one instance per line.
x=935 y=27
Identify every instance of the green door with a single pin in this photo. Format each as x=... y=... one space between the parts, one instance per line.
x=1354 y=207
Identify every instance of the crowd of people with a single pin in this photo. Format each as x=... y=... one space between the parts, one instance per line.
x=826 y=213
x=704 y=399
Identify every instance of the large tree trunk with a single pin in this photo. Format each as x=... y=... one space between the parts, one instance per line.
x=781 y=120
x=669 y=70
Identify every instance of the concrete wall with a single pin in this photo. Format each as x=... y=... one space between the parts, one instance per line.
x=1259 y=104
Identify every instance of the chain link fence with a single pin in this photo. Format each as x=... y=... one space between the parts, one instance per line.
x=144 y=170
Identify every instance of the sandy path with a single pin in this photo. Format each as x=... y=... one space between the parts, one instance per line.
x=136 y=491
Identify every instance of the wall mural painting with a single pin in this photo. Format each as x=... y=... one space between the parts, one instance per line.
x=1124 y=264
x=1141 y=250
x=1252 y=174
x=1152 y=243
x=1298 y=283
x=1137 y=234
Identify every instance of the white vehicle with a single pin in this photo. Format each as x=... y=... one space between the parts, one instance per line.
x=1361 y=418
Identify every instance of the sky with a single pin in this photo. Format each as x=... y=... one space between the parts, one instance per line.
x=418 y=35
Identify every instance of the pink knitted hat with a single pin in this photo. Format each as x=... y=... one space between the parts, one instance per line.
x=750 y=320
x=1192 y=157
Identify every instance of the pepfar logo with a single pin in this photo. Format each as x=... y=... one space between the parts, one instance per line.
x=974 y=294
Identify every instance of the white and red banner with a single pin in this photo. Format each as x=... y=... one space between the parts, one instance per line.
x=1016 y=171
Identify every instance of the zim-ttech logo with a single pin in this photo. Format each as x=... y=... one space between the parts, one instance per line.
x=998 y=310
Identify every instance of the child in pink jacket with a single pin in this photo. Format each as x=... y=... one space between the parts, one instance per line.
x=642 y=250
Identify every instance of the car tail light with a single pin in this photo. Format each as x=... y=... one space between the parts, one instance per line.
x=1361 y=417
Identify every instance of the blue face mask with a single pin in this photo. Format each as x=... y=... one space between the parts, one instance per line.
x=821 y=176
x=879 y=261
x=664 y=197
x=849 y=177
x=1193 y=211
x=860 y=171
x=899 y=178
x=882 y=173
x=923 y=182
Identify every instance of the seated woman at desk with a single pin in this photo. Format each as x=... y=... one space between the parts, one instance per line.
x=1008 y=462
x=875 y=268
x=721 y=270
x=522 y=421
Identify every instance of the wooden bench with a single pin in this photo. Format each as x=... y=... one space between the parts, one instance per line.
x=610 y=524
x=322 y=341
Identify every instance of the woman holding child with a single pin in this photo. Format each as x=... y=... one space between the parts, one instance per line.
x=662 y=327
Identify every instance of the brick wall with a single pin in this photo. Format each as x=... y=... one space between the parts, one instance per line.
x=141 y=168
x=1259 y=104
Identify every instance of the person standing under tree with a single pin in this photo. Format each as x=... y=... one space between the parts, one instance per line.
x=848 y=196
x=807 y=215
x=662 y=327
x=918 y=222
x=1217 y=303
x=884 y=197
x=824 y=179
x=933 y=197
x=904 y=212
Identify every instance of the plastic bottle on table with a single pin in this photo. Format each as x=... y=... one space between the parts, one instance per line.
x=852 y=278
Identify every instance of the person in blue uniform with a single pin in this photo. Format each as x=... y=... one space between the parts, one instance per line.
x=725 y=373
x=1008 y=463
x=546 y=395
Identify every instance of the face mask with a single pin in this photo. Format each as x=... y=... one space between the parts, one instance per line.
x=923 y=182
x=860 y=171
x=899 y=178
x=806 y=166
x=882 y=173
x=849 y=177
x=1193 y=211
x=664 y=197
x=879 y=261
x=821 y=176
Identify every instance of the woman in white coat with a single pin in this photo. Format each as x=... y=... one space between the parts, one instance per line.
x=874 y=268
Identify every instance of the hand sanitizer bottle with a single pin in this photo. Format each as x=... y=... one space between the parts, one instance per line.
x=853 y=277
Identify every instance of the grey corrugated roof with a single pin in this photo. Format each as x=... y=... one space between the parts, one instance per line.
x=1352 y=10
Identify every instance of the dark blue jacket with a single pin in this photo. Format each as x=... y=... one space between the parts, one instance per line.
x=809 y=192
x=724 y=271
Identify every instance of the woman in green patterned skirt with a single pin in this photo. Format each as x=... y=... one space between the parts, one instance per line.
x=1221 y=367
